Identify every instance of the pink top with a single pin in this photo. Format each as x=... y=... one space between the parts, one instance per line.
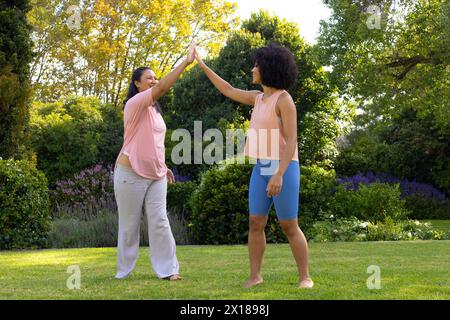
x=144 y=134
x=265 y=138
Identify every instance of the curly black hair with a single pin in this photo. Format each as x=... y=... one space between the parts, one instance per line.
x=276 y=65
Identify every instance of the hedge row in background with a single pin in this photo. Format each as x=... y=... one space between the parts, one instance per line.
x=213 y=211
x=24 y=206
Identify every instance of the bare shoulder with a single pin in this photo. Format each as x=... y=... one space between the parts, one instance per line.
x=285 y=98
x=285 y=102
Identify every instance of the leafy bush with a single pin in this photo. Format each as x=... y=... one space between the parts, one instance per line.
x=111 y=134
x=179 y=196
x=427 y=208
x=64 y=135
x=316 y=192
x=86 y=193
x=422 y=199
x=410 y=146
x=99 y=231
x=353 y=229
x=362 y=155
x=220 y=207
x=220 y=204
x=86 y=215
x=24 y=205
x=374 y=202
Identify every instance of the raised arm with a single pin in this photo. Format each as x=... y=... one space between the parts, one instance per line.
x=167 y=82
x=242 y=96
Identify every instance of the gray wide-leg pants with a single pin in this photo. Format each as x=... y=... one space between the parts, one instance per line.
x=133 y=194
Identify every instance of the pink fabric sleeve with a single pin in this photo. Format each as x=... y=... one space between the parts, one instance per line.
x=135 y=107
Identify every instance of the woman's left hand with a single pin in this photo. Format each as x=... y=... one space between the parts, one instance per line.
x=170 y=176
x=275 y=184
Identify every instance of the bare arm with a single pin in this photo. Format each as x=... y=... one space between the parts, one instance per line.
x=289 y=118
x=242 y=96
x=167 y=82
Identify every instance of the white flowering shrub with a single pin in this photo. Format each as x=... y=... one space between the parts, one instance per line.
x=353 y=229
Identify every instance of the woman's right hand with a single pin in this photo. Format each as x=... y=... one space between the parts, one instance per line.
x=191 y=53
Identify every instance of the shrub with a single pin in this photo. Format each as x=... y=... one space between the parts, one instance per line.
x=427 y=208
x=316 y=191
x=111 y=134
x=374 y=202
x=353 y=229
x=24 y=205
x=65 y=135
x=342 y=229
x=220 y=207
x=185 y=171
x=422 y=199
x=410 y=145
x=98 y=231
x=362 y=155
x=179 y=196
x=86 y=193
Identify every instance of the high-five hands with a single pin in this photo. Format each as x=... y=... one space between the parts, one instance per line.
x=191 y=52
x=198 y=58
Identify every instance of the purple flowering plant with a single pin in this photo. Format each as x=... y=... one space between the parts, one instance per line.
x=86 y=193
x=407 y=187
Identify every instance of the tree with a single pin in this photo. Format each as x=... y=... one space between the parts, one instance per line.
x=15 y=56
x=90 y=47
x=319 y=113
x=409 y=147
x=402 y=63
x=398 y=73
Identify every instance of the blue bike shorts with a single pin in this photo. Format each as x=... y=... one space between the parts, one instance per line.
x=286 y=202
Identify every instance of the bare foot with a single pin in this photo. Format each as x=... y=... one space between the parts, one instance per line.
x=253 y=282
x=174 y=277
x=306 y=283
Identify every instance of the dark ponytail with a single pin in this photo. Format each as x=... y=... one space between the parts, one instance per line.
x=133 y=90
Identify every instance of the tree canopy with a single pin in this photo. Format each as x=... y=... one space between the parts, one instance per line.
x=91 y=47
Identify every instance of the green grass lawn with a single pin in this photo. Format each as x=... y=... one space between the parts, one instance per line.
x=409 y=270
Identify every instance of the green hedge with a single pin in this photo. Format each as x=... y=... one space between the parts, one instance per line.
x=374 y=202
x=179 y=196
x=316 y=192
x=428 y=208
x=24 y=206
x=71 y=135
x=220 y=204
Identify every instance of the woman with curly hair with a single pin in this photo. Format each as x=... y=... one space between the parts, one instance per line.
x=272 y=142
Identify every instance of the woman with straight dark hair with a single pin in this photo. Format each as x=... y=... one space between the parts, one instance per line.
x=141 y=175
